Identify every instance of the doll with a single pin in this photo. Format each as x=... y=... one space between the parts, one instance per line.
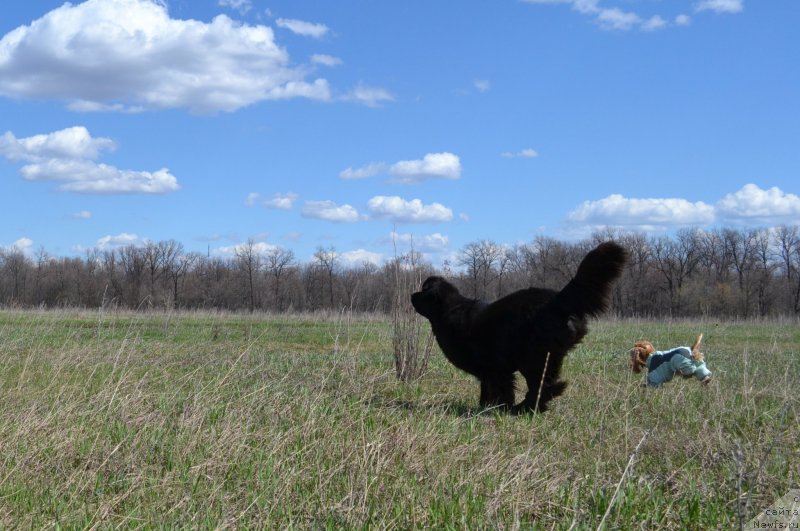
x=663 y=365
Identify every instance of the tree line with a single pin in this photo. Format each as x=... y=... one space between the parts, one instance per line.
x=725 y=272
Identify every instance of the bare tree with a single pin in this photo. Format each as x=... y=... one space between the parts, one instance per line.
x=796 y=257
x=109 y=269
x=279 y=262
x=153 y=257
x=764 y=269
x=15 y=266
x=171 y=251
x=485 y=262
x=42 y=259
x=554 y=263
x=469 y=258
x=133 y=267
x=713 y=255
x=638 y=298
x=328 y=261
x=675 y=259
x=787 y=240
x=351 y=282
x=724 y=272
x=249 y=263
x=740 y=245
x=176 y=266
x=788 y=244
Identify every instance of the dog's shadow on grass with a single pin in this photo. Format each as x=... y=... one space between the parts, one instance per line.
x=453 y=408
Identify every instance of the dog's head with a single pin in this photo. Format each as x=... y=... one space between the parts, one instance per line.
x=430 y=299
x=639 y=354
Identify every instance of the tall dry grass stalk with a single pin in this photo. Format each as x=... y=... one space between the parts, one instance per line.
x=410 y=344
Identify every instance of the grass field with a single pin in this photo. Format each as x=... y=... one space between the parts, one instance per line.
x=215 y=421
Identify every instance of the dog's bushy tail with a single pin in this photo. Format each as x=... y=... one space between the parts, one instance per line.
x=589 y=291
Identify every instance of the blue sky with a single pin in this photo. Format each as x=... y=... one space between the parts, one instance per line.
x=306 y=124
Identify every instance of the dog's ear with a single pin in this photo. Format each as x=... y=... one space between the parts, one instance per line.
x=431 y=284
x=696 y=354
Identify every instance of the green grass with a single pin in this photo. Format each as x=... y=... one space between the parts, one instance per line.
x=212 y=420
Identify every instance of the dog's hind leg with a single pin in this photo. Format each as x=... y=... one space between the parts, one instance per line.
x=497 y=390
x=537 y=398
x=542 y=390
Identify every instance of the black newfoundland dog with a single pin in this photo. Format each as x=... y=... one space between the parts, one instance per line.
x=516 y=332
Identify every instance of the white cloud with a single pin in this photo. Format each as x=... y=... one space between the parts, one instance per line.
x=369 y=96
x=654 y=23
x=130 y=55
x=83 y=176
x=93 y=106
x=432 y=165
x=747 y=206
x=66 y=156
x=281 y=201
x=431 y=243
x=242 y=6
x=399 y=210
x=317 y=90
x=325 y=60
x=370 y=170
x=444 y=165
x=483 y=85
x=83 y=214
x=617 y=19
x=359 y=257
x=586 y=7
x=252 y=199
x=301 y=27
x=643 y=214
x=751 y=204
x=614 y=18
x=527 y=153
x=683 y=20
x=72 y=143
x=277 y=201
x=120 y=240
x=23 y=245
x=330 y=211
x=720 y=6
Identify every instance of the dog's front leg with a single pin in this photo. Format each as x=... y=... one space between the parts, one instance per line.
x=497 y=390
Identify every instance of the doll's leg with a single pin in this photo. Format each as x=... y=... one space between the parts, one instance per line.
x=684 y=366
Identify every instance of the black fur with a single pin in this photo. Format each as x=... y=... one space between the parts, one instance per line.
x=516 y=332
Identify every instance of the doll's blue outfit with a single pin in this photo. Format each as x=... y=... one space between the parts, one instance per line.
x=662 y=366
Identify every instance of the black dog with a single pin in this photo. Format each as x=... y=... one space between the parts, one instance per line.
x=530 y=330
